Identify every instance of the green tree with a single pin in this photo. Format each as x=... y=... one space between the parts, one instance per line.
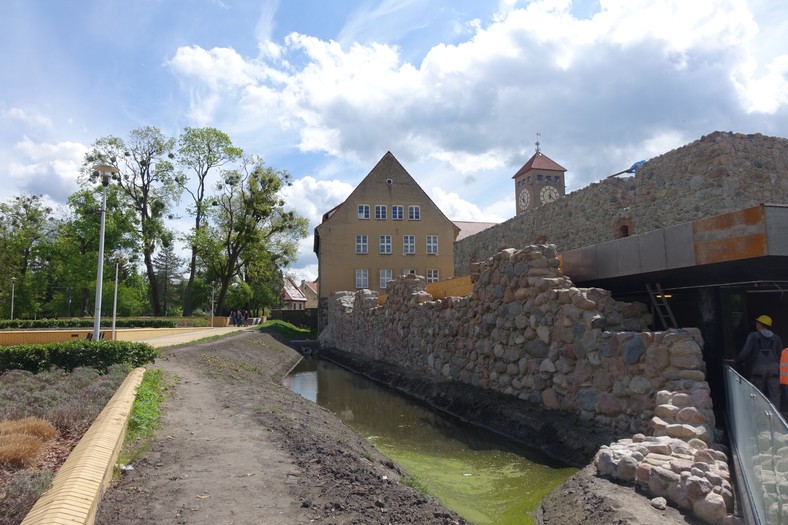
x=201 y=150
x=239 y=294
x=27 y=228
x=247 y=216
x=76 y=248
x=147 y=180
x=168 y=269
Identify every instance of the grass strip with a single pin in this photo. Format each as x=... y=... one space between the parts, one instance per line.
x=288 y=330
x=145 y=415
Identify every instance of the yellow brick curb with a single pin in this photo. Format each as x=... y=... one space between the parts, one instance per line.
x=79 y=484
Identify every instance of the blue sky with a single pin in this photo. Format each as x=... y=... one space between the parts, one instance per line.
x=455 y=89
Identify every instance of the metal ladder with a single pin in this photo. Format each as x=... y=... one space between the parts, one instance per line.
x=661 y=306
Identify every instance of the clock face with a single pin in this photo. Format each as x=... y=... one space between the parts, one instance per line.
x=548 y=194
x=524 y=199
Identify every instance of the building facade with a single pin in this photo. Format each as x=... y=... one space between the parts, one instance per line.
x=309 y=289
x=387 y=227
x=292 y=298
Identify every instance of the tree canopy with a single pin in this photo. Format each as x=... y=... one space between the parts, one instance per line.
x=241 y=234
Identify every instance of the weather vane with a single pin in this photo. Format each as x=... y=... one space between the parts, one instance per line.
x=538 y=134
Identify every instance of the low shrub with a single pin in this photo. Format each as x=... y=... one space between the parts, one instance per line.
x=68 y=401
x=21 y=493
x=19 y=450
x=31 y=426
x=69 y=355
x=44 y=324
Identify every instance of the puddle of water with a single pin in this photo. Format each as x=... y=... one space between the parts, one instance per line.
x=481 y=476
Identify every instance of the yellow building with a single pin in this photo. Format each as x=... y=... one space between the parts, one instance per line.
x=387 y=227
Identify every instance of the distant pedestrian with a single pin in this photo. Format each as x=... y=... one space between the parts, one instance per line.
x=761 y=359
x=246 y=317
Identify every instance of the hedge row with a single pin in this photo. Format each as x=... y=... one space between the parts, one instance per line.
x=72 y=354
x=43 y=324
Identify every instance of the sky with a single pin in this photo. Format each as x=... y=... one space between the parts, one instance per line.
x=457 y=90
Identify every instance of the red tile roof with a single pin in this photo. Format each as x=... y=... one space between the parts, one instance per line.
x=539 y=161
x=311 y=284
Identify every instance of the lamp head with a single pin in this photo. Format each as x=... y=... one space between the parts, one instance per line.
x=105 y=172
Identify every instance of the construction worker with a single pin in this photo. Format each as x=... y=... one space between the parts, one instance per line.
x=784 y=372
x=761 y=354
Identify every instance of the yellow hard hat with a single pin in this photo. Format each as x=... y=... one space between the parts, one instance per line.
x=765 y=320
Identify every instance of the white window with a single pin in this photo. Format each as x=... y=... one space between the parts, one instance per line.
x=408 y=244
x=433 y=276
x=414 y=213
x=397 y=212
x=385 y=277
x=361 y=244
x=363 y=211
x=432 y=244
x=380 y=211
x=385 y=244
x=362 y=278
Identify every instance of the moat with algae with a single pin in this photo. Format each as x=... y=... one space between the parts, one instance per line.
x=478 y=474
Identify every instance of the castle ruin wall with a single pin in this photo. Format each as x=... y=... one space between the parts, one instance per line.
x=719 y=173
x=527 y=331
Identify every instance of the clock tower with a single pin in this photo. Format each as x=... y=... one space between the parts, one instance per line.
x=540 y=181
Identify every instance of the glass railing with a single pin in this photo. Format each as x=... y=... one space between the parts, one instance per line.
x=759 y=437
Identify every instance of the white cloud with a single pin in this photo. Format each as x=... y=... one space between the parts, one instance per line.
x=30 y=117
x=767 y=93
x=458 y=209
x=307 y=273
x=311 y=198
x=266 y=21
x=47 y=169
x=466 y=104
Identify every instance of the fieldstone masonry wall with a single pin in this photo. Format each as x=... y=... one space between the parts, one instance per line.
x=527 y=331
x=719 y=173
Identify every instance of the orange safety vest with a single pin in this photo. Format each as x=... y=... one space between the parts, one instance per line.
x=784 y=367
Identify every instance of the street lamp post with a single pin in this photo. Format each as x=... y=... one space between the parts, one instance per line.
x=213 y=289
x=105 y=172
x=115 y=300
x=13 y=283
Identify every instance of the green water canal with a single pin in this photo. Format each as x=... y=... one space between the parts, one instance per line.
x=481 y=476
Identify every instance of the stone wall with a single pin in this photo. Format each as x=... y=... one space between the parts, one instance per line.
x=718 y=173
x=527 y=331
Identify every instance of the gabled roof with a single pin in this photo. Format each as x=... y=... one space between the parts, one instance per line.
x=386 y=167
x=291 y=292
x=468 y=228
x=539 y=161
x=311 y=284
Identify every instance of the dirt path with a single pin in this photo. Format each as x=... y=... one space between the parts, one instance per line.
x=236 y=447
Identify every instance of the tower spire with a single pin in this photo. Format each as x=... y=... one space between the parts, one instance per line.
x=538 y=135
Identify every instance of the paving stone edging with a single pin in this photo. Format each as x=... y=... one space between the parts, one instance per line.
x=76 y=491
